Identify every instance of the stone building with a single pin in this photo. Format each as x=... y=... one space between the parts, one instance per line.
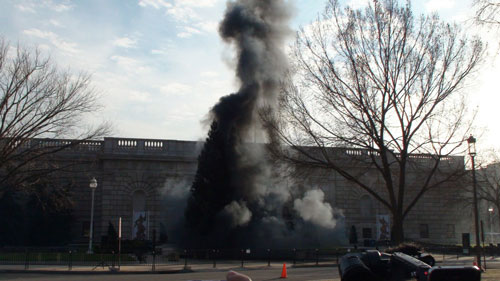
x=134 y=174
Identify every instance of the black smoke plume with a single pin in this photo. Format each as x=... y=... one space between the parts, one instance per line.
x=237 y=199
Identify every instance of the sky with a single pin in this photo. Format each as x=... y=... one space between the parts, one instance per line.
x=159 y=65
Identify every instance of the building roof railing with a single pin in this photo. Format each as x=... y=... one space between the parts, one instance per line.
x=179 y=148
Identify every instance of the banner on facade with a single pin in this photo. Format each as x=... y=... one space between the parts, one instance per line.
x=140 y=225
x=383 y=227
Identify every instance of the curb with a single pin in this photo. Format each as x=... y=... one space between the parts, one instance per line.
x=87 y=272
x=334 y=265
x=123 y=272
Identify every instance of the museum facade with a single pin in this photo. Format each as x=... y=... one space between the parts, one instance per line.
x=134 y=176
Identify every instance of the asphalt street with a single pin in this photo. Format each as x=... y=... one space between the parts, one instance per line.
x=273 y=273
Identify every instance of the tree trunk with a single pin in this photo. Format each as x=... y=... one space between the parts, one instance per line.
x=397 y=233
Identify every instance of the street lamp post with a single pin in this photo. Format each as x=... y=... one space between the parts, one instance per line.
x=93 y=186
x=472 y=152
x=490 y=212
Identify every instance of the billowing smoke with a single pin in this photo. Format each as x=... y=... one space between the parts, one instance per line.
x=239 y=214
x=237 y=199
x=312 y=208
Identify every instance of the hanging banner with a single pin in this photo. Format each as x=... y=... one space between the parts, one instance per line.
x=120 y=227
x=383 y=227
x=140 y=225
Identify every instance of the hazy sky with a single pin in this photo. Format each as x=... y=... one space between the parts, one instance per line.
x=160 y=65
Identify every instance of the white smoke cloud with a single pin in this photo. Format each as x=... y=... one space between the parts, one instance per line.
x=239 y=213
x=312 y=208
x=175 y=188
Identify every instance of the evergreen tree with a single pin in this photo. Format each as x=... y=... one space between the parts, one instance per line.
x=211 y=189
x=50 y=215
x=12 y=221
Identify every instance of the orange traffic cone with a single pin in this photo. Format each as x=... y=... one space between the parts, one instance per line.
x=283 y=272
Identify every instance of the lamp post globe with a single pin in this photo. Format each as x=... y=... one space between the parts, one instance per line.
x=93 y=183
x=471 y=141
x=93 y=186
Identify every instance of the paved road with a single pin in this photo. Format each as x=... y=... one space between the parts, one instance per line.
x=273 y=273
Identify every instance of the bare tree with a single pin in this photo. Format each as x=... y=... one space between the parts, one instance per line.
x=38 y=100
x=386 y=83
x=487 y=12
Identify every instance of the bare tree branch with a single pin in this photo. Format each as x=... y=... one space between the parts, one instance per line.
x=487 y=12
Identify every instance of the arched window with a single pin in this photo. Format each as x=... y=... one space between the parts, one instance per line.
x=366 y=206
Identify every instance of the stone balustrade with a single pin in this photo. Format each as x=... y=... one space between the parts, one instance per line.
x=177 y=148
x=151 y=146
